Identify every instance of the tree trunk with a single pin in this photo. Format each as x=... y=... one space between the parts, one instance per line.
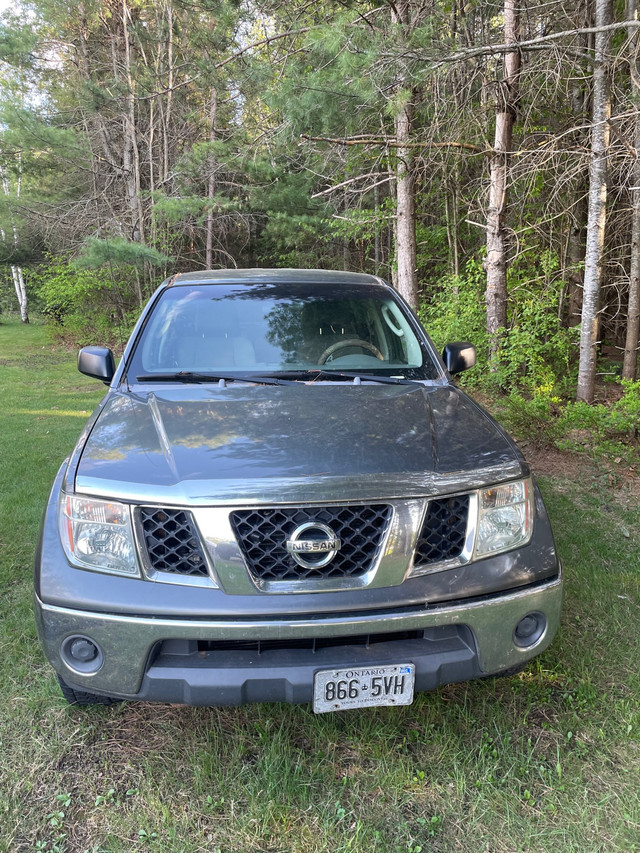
x=630 y=362
x=377 y=255
x=16 y=271
x=406 y=211
x=496 y=261
x=597 y=205
x=211 y=189
x=21 y=292
x=169 y=98
x=406 y=248
x=575 y=255
x=578 y=210
x=131 y=154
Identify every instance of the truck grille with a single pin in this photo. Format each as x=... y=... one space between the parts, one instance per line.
x=171 y=541
x=261 y=647
x=444 y=530
x=262 y=535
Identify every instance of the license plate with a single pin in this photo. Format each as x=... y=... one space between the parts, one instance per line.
x=364 y=687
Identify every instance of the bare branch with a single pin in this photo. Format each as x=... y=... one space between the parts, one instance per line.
x=262 y=43
x=385 y=180
x=392 y=143
x=494 y=49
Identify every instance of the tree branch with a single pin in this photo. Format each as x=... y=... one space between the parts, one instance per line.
x=491 y=49
x=353 y=180
x=261 y=43
x=392 y=143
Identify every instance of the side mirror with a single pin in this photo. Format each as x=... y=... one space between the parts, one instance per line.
x=97 y=362
x=459 y=356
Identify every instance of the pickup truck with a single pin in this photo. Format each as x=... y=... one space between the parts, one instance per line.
x=284 y=497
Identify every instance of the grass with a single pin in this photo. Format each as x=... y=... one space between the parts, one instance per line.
x=546 y=761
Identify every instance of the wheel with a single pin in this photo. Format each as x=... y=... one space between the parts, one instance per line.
x=350 y=342
x=82 y=697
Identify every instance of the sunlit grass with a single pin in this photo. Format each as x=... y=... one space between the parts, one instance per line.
x=546 y=761
x=52 y=412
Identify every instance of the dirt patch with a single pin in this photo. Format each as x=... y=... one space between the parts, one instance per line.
x=548 y=461
x=621 y=481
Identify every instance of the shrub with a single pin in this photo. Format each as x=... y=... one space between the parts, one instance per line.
x=607 y=429
x=536 y=353
x=454 y=310
x=84 y=306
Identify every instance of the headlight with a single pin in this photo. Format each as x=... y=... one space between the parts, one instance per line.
x=504 y=517
x=97 y=534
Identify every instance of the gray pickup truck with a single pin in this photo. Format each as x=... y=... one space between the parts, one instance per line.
x=284 y=497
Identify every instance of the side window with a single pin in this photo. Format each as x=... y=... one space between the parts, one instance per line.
x=401 y=339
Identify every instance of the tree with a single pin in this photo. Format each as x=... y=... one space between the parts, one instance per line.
x=17 y=275
x=600 y=131
x=496 y=261
x=632 y=339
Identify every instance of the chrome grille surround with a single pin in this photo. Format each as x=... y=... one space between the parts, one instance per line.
x=170 y=545
x=444 y=530
x=403 y=548
x=447 y=533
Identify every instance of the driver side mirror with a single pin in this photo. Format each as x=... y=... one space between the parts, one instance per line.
x=97 y=362
x=459 y=356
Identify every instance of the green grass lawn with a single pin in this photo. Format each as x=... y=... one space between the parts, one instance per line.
x=546 y=761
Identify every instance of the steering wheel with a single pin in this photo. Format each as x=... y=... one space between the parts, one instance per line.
x=350 y=342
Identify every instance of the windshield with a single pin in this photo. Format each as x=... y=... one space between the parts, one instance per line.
x=262 y=328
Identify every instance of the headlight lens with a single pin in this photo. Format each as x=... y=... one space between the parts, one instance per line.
x=504 y=517
x=97 y=534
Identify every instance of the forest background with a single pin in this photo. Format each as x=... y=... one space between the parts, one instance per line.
x=482 y=156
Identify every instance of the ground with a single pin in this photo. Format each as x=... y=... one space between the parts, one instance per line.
x=548 y=760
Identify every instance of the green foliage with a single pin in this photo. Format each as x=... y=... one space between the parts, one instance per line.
x=84 y=306
x=601 y=430
x=533 y=418
x=432 y=252
x=296 y=241
x=116 y=251
x=454 y=310
x=17 y=41
x=536 y=353
x=178 y=210
x=611 y=430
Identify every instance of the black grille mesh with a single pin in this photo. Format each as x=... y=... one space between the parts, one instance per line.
x=171 y=541
x=315 y=644
x=444 y=530
x=262 y=535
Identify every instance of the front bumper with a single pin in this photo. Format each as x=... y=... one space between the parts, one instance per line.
x=160 y=659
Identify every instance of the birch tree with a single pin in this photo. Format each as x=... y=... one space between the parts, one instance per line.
x=496 y=260
x=406 y=250
x=17 y=275
x=596 y=220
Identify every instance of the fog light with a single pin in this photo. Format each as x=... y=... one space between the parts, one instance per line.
x=81 y=654
x=529 y=629
x=83 y=650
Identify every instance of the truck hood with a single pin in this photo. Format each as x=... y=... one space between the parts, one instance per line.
x=247 y=444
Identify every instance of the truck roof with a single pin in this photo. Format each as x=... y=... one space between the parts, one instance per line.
x=275 y=276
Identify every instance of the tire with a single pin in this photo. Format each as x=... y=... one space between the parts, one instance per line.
x=82 y=697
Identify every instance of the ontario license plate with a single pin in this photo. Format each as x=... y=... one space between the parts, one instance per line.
x=364 y=687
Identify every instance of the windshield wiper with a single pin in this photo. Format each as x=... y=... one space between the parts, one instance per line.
x=339 y=376
x=198 y=378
